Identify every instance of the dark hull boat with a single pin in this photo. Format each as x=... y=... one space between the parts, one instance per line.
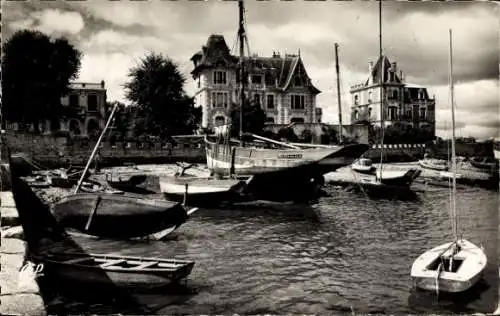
x=485 y=163
x=102 y=270
x=127 y=185
x=201 y=191
x=118 y=216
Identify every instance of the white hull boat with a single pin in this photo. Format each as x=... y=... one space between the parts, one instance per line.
x=200 y=190
x=440 y=270
x=363 y=165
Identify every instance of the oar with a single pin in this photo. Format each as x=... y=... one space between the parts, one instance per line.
x=93 y=212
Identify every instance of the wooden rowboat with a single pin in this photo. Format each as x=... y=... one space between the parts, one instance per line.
x=128 y=184
x=201 y=191
x=451 y=267
x=118 y=216
x=113 y=270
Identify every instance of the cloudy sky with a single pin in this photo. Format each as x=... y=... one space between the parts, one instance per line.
x=114 y=35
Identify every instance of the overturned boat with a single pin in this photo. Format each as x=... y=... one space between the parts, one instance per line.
x=118 y=216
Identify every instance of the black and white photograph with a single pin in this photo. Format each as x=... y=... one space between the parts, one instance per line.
x=249 y=157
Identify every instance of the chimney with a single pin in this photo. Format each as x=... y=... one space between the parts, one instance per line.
x=102 y=84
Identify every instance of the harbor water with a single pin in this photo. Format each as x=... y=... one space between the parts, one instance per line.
x=347 y=253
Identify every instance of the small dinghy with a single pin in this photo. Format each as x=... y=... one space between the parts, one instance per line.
x=488 y=163
x=118 y=216
x=113 y=270
x=200 y=191
x=452 y=267
x=126 y=183
x=363 y=165
x=434 y=164
x=402 y=178
x=39 y=181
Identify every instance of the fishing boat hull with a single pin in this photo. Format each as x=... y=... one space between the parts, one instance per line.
x=118 y=216
x=252 y=161
x=201 y=191
x=471 y=259
x=105 y=271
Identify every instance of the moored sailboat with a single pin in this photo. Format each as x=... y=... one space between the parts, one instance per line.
x=454 y=266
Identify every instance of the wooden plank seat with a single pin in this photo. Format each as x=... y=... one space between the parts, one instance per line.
x=112 y=262
x=146 y=265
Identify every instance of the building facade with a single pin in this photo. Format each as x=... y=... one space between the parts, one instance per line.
x=279 y=84
x=404 y=103
x=85 y=106
x=83 y=111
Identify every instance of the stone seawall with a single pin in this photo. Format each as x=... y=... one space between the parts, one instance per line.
x=54 y=152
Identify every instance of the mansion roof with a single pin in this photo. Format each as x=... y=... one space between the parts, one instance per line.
x=276 y=69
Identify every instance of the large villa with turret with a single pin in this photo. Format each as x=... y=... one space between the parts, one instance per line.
x=281 y=86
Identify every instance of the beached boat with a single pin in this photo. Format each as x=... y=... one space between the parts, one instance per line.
x=363 y=165
x=117 y=216
x=485 y=163
x=113 y=270
x=201 y=191
x=126 y=183
x=454 y=266
x=434 y=164
x=402 y=178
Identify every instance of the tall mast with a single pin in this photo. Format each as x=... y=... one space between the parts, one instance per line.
x=453 y=155
x=338 y=90
x=241 y=37
x=382 y=97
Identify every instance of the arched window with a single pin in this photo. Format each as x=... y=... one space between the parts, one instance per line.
x=356 y=99
x=370 y=94
x=369 y=113
x=356 y=115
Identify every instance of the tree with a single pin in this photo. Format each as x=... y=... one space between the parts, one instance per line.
x=288 y=134
x=329 y=135
x=254 y=119
x=35 y=74
x=156 y=89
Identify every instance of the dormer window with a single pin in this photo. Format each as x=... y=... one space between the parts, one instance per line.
x=297 y=81
x=256 y=79
x=220 y=77
x=420 y=94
